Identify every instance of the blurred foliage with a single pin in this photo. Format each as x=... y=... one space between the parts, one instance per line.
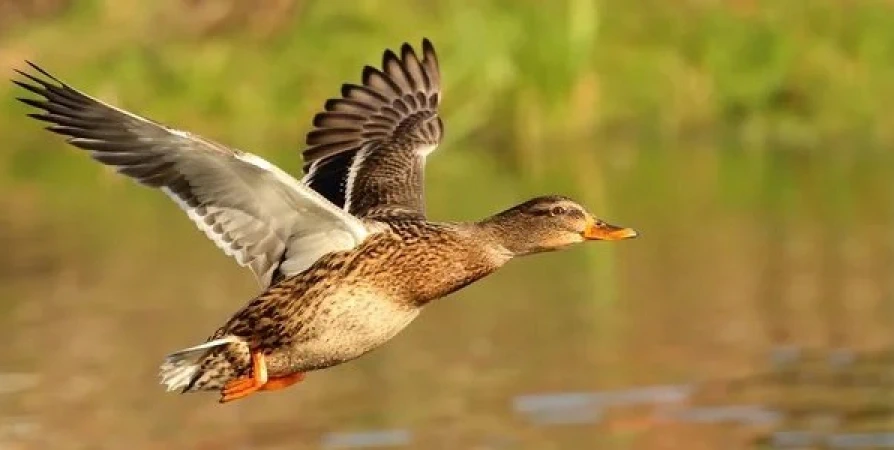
x=519 y=74
x=767 y=104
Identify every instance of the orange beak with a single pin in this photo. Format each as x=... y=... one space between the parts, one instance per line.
x=601 y=231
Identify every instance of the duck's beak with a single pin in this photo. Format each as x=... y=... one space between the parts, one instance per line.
x=601 y=231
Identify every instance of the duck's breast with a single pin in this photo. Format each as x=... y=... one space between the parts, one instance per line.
x=345 y=324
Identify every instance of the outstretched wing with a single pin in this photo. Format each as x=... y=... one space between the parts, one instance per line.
x=251 y=209
x=367 y=151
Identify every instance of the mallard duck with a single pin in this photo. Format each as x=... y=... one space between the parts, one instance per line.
x=345 y=258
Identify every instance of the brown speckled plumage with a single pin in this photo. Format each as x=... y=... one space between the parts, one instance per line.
x=346 y=258
x=397 y=271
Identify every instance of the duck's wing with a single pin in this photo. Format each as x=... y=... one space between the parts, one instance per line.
x=255 y=212
x=367 y=151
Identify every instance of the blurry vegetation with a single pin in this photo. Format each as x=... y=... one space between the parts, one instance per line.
x=780 y=106
x=522 y=76
x=544 y=89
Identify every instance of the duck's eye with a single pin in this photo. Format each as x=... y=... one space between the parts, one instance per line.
x=558 y=211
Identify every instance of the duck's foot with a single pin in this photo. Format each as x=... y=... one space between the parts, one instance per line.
x=257 y=381
x=242 y=387
x=276 y=383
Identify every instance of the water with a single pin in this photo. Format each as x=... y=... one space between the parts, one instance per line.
x=368 y=439
x=779 y=425
x=731 y=323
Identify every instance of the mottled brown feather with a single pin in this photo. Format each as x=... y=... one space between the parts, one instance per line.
x=348 y=303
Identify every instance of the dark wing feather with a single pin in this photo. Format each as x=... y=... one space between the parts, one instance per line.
x=366 y=152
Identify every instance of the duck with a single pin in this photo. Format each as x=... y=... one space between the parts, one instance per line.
x=345 y=257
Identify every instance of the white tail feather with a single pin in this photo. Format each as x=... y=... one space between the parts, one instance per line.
x=179 y=368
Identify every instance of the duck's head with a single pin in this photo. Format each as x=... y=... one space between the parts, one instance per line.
x=551 y=223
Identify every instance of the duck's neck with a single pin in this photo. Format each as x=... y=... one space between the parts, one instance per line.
x=472 y=250
x=503 y=238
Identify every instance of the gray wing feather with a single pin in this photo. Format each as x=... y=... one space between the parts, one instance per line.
x=252 y=210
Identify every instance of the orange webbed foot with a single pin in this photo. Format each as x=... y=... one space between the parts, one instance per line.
x=237 y=389
x=257 y=381
x=276 y=383
x=243 y=387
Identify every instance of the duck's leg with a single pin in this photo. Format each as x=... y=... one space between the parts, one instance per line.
x=243 y=387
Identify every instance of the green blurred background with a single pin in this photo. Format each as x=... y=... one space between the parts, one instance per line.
x=750 y=143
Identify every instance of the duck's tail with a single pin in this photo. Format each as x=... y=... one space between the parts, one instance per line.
x=206 y=366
